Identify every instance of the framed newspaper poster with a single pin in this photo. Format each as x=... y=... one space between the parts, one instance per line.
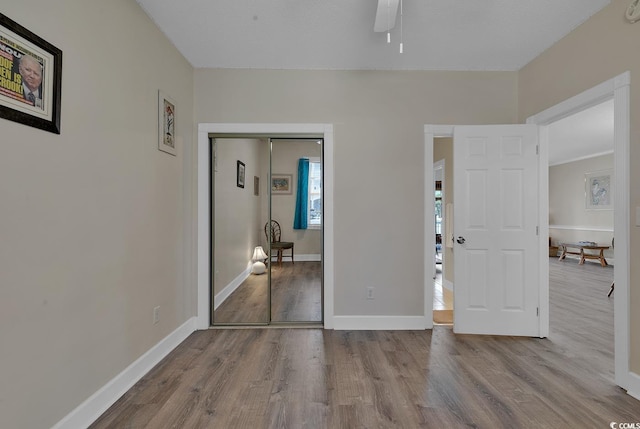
x=30 y=78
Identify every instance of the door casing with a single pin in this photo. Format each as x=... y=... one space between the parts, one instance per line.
x=618 y=89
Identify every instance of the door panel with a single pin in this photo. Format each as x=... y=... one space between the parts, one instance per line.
x=496 y=198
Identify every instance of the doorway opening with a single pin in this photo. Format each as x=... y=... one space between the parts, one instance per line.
x=442 y=286
x=581 y=211
x=618 y=89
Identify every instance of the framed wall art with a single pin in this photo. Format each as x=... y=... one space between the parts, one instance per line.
x=240 y=172
x=166 y=123
x=281 y=184
x=599 y=190
x=30 y=78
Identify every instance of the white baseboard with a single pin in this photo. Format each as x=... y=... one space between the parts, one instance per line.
x=633 y=389
x=231 y=287
x=312 y=257
x=379 y=323
x=92 y=408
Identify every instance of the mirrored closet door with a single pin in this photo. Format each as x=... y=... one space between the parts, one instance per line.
x=238 y=211
x=296 y=282
x=266 y=230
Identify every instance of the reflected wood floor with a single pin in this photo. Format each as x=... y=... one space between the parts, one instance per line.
x=296 y=296
x=313 y=378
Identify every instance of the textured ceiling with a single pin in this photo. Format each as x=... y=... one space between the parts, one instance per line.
x=338 y=34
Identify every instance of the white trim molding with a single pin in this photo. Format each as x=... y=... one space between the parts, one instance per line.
x=429 y=254
x=582 y=228
x=633 y=388
x=581 y=158
x=91 y=409
x=379 y=323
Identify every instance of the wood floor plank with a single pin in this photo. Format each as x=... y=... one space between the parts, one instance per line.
x=296 y=296
x=312 y=378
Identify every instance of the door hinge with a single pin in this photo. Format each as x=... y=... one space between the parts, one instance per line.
x=537 y=149
x=538 y=311
x=537 y=230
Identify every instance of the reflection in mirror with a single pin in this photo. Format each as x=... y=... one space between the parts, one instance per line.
x=240 y=205
x=296 y=282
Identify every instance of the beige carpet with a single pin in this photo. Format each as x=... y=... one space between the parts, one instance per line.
x=443 y=316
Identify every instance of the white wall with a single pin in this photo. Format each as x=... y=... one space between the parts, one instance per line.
x=237 y=211
x=569 y=219
x=94 y=219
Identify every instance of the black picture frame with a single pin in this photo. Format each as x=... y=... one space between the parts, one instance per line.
x=43 y=111
x=240 y=174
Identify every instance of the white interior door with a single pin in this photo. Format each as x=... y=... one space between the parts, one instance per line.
x=495 y=227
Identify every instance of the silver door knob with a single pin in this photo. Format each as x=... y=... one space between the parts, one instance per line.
x=460 y=240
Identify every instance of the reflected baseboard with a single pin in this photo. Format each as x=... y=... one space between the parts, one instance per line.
x=301 y=258
x=231 y=287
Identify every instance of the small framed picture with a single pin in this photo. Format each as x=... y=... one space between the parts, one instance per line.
x=281 y=184
x=240 y=174
x=599 y=190
x=166 y=123
x=256 y=186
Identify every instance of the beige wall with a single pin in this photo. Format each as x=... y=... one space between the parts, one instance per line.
x=567 y=206
x=284 y=160
x=378 y=122
x=93 y=219
x=443 y=150
x=237 y=211
x=96 y=220
x=599 y=49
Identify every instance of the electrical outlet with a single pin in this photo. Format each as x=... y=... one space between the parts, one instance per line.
x=370 y=294
x=156 y=314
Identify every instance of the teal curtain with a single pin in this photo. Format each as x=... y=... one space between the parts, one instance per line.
x=302 y=196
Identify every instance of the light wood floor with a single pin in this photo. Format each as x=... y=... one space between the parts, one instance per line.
x=296 y=296
x=442 y=297
x=442 y=300
x=313 y=378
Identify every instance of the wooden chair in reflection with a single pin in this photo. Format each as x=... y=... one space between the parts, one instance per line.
x=273 y=229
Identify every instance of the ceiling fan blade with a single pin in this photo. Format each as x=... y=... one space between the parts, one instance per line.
x=386 y=15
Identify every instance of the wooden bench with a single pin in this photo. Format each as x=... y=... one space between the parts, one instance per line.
x=582 y=247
